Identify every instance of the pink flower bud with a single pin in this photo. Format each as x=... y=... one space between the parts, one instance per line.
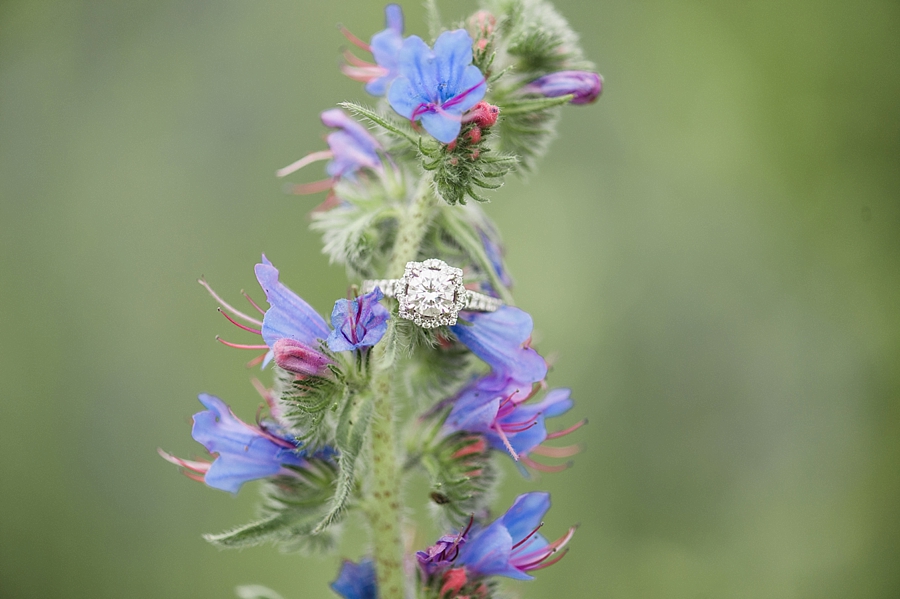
x=299 y=358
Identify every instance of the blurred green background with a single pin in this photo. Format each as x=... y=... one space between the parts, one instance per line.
x=711 y=251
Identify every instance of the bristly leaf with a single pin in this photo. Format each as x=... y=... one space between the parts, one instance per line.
x=389 y=126
x=462 y=476
x=465 y=164
x=306 y=402
x=358 y=235
x=528 y=134
x=350 y=435
x=537 y=38
x=527 y=105
x=292 y=507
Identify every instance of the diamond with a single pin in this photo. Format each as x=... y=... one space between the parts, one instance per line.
x=431 y=292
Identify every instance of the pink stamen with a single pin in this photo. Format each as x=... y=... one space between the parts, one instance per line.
x=544 y=467
x=314 y=187
x=356 y=61
x=518 y=427
x=363 y=74
x=196 y=466
x=252 y=303
x=265 y=393
x=331 y=201
x=567 y=431
x=308 y=159
x=528 y=536
x=556 y=452
x=355 y=40
x=257 y=360
x=541 y=566
x=239 y=325
x=544 y=552
x=240 y=346
x=506 y=442
x=227 y=306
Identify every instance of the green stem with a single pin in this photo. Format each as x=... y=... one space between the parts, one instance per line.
x=386 y=507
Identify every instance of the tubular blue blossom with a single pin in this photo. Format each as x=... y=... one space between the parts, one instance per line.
x=510 y=546
x=437 y=86
x=356 y=581
x=497 y=410
x=501 y=339
x=243 y=452
x=358 y=323
x=385 y=47
x=584 y=85
x=350 y=149
x=288 y=315
x=292 y=330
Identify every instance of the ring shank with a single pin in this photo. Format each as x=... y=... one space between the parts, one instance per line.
x=475 y=302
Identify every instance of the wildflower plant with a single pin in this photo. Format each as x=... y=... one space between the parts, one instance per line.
x=427 y=366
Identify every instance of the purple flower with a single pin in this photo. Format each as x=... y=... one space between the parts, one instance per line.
x=437 y=86
x=357 y=323
x=496 y=408
x=385 y=47
x=243 y=452
x=441 y=555
x=293 y=331
x=356 y=581
x=510 y=546
x=350 y=149
x=584 y=85
x=501 y=339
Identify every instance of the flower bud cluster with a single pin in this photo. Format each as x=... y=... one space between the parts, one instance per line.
x=453 y=117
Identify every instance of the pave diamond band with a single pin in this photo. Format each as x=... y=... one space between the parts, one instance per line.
x=431 y=293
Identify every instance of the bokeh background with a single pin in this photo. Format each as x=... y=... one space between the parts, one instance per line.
x=711 y=251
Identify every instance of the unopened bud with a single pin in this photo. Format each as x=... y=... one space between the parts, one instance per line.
x=584 y=85
x=299 y=358
x=482 y=114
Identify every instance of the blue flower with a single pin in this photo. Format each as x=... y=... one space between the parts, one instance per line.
x=243 y=452
x=356 y=581
x=584 y=85
x=293 y=331
x=501 y=339
x=511 y=546
x=385 y=47
x=496 y=408
x=351 y=149
x=357 y=323
x=437 y=86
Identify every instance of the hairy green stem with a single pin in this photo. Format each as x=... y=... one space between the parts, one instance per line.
x=386 y=505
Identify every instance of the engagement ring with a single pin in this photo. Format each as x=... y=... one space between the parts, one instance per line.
x=431 y=294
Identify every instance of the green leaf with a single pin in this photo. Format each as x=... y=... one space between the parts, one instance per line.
x=533 y=104
x=379 y=120
x=349 y=439
x=254 y=533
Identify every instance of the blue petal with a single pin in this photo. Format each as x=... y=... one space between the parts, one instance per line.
x=489 y=553
x=472 y=417
x=403 y=97
x=443 y=128
x=498 y=338
x=416 y=62
x=556 y=403
x=358 y=323
x=356 y=581
x=288 y=315
x=453 y=50
x=244 y=453
x=469 y=91
x=393 y=18
x=526 y=514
